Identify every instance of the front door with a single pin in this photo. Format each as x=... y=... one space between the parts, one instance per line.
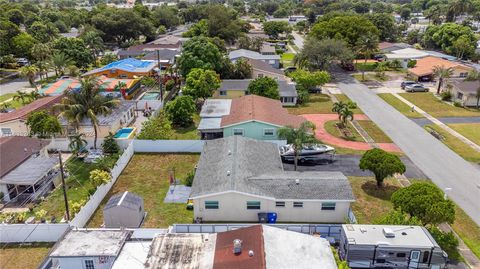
x=414 y=259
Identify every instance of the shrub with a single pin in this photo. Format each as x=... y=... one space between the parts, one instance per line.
x=457 y=104
x=351 y=104
x=75 y=207
x=447 y=241
x=446 y=96
x=40 y=214
x=158 y=127
x=189 y=178
x=411 y=63
x=303 y=96
x=181 y=110
x=109 y=145
x=99 y=177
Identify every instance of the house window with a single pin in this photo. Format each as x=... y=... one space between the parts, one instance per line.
x=328 y=206
x=223 y=93
x=425 y=256
x=211 y=204
x=280 y=204
x=238 y=131
x=89 y=264
x=6 y=131
x=463 y=75
x=268 y=132
x=401 y=255
x=271 y=61
x=287 y=99
x=297 y=204
x=247 y=93
x=122 y=76
x=253 y=205
x=459 y=95
x=260 y=75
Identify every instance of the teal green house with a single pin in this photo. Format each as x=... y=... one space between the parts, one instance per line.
x=250 y=116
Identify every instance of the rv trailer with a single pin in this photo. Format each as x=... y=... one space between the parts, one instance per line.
x=390 y=246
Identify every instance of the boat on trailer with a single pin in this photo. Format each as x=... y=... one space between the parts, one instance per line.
x=308 y=152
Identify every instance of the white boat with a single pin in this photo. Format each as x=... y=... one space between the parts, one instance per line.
x=308 y=151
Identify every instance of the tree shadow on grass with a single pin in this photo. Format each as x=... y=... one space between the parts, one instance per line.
x=384 y=193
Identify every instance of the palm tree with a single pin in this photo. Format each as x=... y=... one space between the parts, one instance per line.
x=338 y=107
x=442 y=73
x=5 y=106
x=367 y=45
x=77 y=143
x=298 y=137
x=86 y=104
x=458 y=7
x=61 y=61
x=21 y=96
x=95 y=43
x=346 y=114
x=30 y=72
x=33 y=95
x=121 y=87
x=43 y=68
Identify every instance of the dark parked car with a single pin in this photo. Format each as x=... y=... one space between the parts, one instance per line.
x=315 y=90
x=416 y=88
x=348 y=66
x=407 y=83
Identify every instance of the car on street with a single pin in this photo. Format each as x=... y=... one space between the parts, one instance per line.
x=416 y=88
x=406 y=83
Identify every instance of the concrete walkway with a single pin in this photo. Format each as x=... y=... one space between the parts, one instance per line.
x=443 y=166
x=439 y=123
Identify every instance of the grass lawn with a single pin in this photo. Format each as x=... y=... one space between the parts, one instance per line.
x=287 y=59
x=13 y=104
x=78 y=186
x=469 y=130
x=345 y=99
x=399 y=105
x=331 y=128
x=437 y=108
x=375 y=133
x=372 y=203
x=370 y=77
x=369 y=66
x=457 y=145
x=318 y=104
x=468 y=230
x=187 y=133
x=25 y=257
x=148 y=176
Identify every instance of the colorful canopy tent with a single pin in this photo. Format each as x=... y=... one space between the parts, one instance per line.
x=106 y=85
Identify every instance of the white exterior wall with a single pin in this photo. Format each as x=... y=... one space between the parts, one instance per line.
x=233 y=207
x=79 y=262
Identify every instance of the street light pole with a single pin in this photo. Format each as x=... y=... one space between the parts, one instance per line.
x=63 y=186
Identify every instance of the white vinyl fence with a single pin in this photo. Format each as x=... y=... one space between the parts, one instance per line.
x=61 y=144
x=82 y=217
x=40 y=232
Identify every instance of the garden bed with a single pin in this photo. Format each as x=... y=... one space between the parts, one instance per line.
x=349 y=133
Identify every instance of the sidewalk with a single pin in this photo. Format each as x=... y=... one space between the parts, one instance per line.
x=467 y=254
x=439 y=123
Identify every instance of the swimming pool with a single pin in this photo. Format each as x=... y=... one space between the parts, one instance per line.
x=150 y=96
x=125 y=133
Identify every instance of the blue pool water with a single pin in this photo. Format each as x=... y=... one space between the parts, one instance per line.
x=123 y=133
x=150 y=96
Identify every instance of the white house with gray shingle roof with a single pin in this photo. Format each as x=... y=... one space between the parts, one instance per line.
x=238 y=177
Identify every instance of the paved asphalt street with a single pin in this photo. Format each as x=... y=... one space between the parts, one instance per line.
x=450 y=120
x=443 y=166
x=298 y=40
x=348 y=165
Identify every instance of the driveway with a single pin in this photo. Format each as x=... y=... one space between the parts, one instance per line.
x=348 y=165
x=298 y=40
x=443 y=166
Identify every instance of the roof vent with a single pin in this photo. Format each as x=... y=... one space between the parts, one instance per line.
x=229 y=152
x=237 y=246
x=389 y=233
x=228 y=173
x=250 y=253
x=297 y=181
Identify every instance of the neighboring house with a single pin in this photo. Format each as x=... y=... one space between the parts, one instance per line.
x=126 y=68
x=465 y=92
x=168 y=42
x=256 y=247
x=262 y=69
x=210 y=126
x=166 y=57
x=267 y=49
x=88 y=249
x=26 y=171
x=13 y=123
x=124 y=210
x=232 y=88
x=386 y=47
x=273 y=60
x=118 y=118
x=106 y=85
x=424 y=68
x=237 y=178
x=405 y=55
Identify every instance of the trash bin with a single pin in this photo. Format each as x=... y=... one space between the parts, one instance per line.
x=272 y=217
x=262 y=217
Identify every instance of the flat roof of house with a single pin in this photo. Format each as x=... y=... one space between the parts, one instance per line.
x=210 y=124
x=407 y=53
x=133 y=255
x=90 y=243
x=267 y=48
x=251 y=54
x=387 y=45
x=22 y=113
x=405 y=235
x=18 y=149
x=213 y=108
x=425 y=66
x=30 y=171
x=106 y=120
x=129 y=65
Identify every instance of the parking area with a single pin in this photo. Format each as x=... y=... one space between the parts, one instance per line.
x=348 y=165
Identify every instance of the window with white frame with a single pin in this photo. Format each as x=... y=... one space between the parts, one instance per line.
x=328 y=206
x=297 y=204
x=6 y=131
x=280 y=204
x=89 y=264
x=268 y=132
x=238 y=131
x=253 y=205
x=211 y=204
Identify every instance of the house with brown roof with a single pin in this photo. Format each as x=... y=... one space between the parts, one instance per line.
x=250 y=116
x=424 y=67
x=466 y=92
x=13 y=123
x=262 y=69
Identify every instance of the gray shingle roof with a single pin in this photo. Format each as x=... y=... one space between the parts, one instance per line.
x=251 y=54
x=285 y=88
x=255 y=167
x=124 y=199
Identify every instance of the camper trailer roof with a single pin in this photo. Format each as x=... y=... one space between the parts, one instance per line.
x=394 y=235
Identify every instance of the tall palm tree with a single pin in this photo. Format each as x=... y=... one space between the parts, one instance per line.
x=121 y=87
x=77 y=143
x=30 y=72
x=442 y=73
x=338 y=107
x=95 y=43
x=297 y=137
x=458 y=7
x=367 y=45
x=346 y=114
x=86 y=104
x=61 y=61
x=21 y=96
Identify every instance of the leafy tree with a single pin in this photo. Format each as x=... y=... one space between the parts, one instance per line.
x=41 y=52
x=42 y=124
x=15 y=15
x=367 y=45
x=198 y=29
x=77 y=143
x=269 y=7
x=386 y=24
x=405 y=13
x=442 y=73
x=75 y=49
x=21 y=96
x=275 y=28
x=60 y=63
x=396 y=217
x=241 y=69
x=447 y=241
x=199 y=52
x=297 y=137
x=30 y=72
x=22 y=45
x=86 y=104
x=33 y=95
x=99 y=177
x=463 y=46
x=165 y=16
x=382 y=164
x=222 y=23
x=264 y=86
x=426 y=202
x=180 y=111
x=338 y=107
x=108 y=58
x=157 y=128
x=94 y=43
x=310 y=80
x=322 y=54
x=411 y=63
x=444 y=37
x=201 y=83
x=43 y=32
x=346 y=27
x=345 y=115
x=8 y=31
x=109 y=144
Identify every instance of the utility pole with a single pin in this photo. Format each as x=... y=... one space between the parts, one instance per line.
x=160 y=74
x=63 y=186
